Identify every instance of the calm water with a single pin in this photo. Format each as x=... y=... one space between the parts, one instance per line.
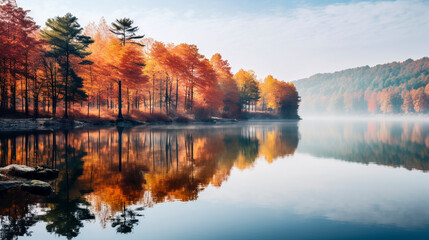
x=307 y=180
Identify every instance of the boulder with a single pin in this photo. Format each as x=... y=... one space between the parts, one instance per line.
x=23 y=171
x=37 y=187
x=3 y=177
x=5 y=185
x=17 y=171
x=45 y=173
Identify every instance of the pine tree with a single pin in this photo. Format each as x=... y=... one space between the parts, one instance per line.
x=64 y=35
x=126 y=33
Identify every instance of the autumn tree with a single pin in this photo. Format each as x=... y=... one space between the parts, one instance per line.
x=289 y=101
x=65 y=62
x=371 y=98
x=270 y=96
x=227 y=85
x=89 y=81
x=407 y=105
x=66 y=40
x=280 y=96
x=419 y=99
x=191 y=60
x=123 y=28
x=34 y=72
x=18 y=38
x=52 y=84
x=249 y=88
x=161 y=69
x=131 y=68
x=31 y=45
x=208 y=95
x=99 y=67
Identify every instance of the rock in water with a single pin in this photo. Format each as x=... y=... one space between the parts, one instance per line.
x=23 y=171
x=3 y=177
x=37 y=187
x=5 y=185
x=18 y=171
x=45 y=173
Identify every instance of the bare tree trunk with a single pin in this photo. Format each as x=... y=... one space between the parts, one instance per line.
x=120 y=101
x=13 y=98
x=128 y=101
x=192 y=97
x=36 y=106
x=107 y=98
x=150 y=103
x=186 y=98
x=160 y=94
x=137 y=99
x=66 y=88
x=177 y=91
x=169 y=95
x=26 y=84
x=3 y=103
x=53 y=73
x=99 y=105
x=166 y=95
x=153 y=93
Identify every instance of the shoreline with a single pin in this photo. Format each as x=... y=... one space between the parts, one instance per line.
x=15 y=125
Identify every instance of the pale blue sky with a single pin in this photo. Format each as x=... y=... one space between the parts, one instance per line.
x=289 y=39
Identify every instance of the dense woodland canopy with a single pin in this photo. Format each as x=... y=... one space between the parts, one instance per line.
x=398 y=87
x=104 y=70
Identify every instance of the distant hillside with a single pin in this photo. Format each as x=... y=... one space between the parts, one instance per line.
x=397 y=87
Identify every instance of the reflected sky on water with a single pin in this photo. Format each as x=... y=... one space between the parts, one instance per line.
x=270 y=180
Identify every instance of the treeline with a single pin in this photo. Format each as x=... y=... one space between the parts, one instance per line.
x=107 y=69
x=398 y=87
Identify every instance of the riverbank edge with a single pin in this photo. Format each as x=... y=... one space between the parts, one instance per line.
x=54 y=124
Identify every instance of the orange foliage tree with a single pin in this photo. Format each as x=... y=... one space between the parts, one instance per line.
x=92 y=65
x=227 y=85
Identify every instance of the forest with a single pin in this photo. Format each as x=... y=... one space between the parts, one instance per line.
x=393 y=88
x=112 y=71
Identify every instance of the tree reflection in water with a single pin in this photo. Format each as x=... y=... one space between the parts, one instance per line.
x=17 y=215
x=125 y=222
x=389 y=143
x=67 y=208
x=111 y=174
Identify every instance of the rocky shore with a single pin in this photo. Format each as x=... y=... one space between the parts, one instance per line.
x=28 y=124
x=53 y=124
x=28 y=179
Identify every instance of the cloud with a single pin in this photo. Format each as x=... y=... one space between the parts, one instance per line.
x=288 y=43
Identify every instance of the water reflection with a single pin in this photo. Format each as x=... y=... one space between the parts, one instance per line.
x=256 y=179
x=389 y=143
x=17 y=215
x=106 y=173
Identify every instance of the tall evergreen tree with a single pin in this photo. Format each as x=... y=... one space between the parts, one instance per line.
x=64 y=34
x=126 y=33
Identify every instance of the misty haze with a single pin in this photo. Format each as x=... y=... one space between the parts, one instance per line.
x=193 y=119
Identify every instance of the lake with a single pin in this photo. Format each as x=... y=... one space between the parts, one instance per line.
x=315 y=179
